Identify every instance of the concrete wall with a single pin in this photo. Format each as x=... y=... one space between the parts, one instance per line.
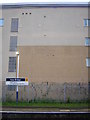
x=51 y=43
x=62 y=26
x=0 y=48
x=48 y=91
x=0 y=64
x=54 y=63
x=52 y=26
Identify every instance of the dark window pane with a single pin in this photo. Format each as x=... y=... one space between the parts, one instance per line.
x=88 y=22
x=11 y=87
x=14 y=25
x=12 y=64
x=13 y=43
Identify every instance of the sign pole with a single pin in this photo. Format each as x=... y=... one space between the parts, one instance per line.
x=17 y=94
x=17 y=76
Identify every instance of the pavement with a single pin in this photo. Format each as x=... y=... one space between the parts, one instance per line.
x=27 y=113
x=38 y=109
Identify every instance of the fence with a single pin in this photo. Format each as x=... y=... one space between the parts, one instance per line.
x=47 y=91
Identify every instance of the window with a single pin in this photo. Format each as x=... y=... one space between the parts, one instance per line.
x=12 y=64
x=86 y=22
x=88 y=62
x=13 y=43
x=1 y=22
x=14 y=25
x=11 y=87
x=87 y=41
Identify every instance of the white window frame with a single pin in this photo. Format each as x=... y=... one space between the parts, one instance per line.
x=14 y=24
x=13 y=45
x=86 y=22
x=1 y=22
x=87 y=62
x=12 y=64
x=87 y=39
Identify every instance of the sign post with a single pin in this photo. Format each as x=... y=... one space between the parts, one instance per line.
x=17 y=81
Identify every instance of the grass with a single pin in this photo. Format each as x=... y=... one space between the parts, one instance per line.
x=47 y=104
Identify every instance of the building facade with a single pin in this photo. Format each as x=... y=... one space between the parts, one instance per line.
x=52 y=40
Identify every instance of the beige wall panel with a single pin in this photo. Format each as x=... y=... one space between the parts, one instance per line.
x=0 y=48
x=89 y=74
x=88 y=52
x=7 y=14
x=53 y=64
x=0 y=64
x=61 y=26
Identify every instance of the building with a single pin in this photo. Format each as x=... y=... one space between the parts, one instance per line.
x=52 y=40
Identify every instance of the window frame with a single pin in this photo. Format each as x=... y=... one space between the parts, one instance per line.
x=86 y=23
x=13 y=25
x=87 y=39
x=12 y=63
x=87 y=63
x=2 y=21
x=11 y=87
x=12 y=47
